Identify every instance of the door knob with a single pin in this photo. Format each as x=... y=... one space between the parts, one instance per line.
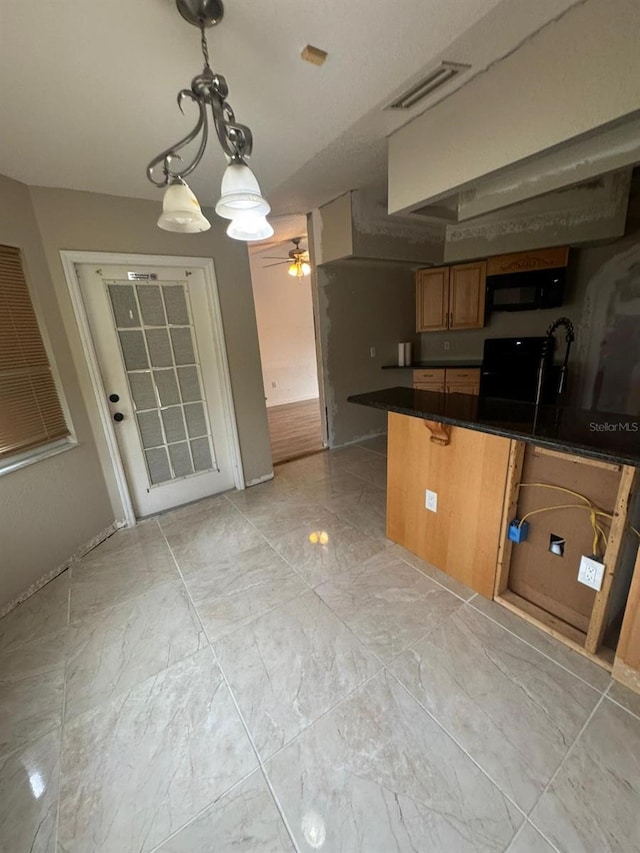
x=118 y=417
x=114 y=398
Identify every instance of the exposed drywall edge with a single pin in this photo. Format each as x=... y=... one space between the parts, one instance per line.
x=336 y=229
x=264 y=479
x=425 y=164
x=80 y=552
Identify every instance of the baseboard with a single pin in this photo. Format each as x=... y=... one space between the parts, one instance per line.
x=264 y=479
x=78 y=554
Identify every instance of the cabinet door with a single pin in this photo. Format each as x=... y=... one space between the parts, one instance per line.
x=432 y=299
x=463 y=381
x=439 y=387
x=466 y=295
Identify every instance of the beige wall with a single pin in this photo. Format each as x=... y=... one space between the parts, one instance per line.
x=362 y=305
x=52 y=508
x=575 y=75
x=92 y=222
x=284 y=313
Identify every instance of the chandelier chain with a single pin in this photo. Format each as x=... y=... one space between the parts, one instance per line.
x=204 y=45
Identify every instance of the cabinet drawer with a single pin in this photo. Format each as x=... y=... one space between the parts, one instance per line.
x=463 y=375
x=438 y=387
x=428 y=375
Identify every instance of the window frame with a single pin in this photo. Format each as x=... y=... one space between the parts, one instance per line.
x=60 y=445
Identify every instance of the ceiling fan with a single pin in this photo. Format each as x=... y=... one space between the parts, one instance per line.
x=298 y=260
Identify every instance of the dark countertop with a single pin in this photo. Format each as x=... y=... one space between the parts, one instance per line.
x=602 y=435
x=435 y=365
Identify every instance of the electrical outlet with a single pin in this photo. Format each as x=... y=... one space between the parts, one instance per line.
x=591 y=573
x=446 y=344
x=372 y=352
x=274 y=384
x=431 y=500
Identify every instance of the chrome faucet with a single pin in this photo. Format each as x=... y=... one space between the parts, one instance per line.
x=570 y=338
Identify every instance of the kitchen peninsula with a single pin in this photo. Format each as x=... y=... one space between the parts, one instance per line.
x=461 y=469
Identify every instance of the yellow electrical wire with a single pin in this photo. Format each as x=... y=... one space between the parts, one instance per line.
x=594 y=512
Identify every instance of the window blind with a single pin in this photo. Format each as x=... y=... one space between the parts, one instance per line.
x=30 y=410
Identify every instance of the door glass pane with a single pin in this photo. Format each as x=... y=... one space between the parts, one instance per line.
x=182 y=341
x=174 y=299
x=201 y=453
x=141 y=384
x=150 y=429
x=155 y=331
x=124 y=305
x=181 y=459
x=159 y=349
x=158 y=465
x=167 y=387
x=196 y=421
x=151 y=305
x=173 y=424
x=189 y=384
x=133 y=350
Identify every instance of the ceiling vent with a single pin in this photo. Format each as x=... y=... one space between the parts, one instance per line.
x=445 y=72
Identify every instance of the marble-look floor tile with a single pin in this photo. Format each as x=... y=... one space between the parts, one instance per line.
x=207 y=532
x=378 y=775
x=262 y=494
x=387 y=604
x=245 y=820
x=31 y=690
x=237 y=590
x=529 y=840
x=365 y=509
x=592 y=804
x=584 y=668
x=378 y=444
x=128 y=567
x=370 y=467
x=327 y=489
x=320 y=554
x=29 y=797
x=44 y=613
x=137 y=768
x=290 y=666
x=445 y=580
x=293 y=510
x=513 y=710
x=625 y=697
x=113 y=650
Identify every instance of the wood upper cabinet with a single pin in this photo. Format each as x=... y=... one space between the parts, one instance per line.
x=451 y=297
x=432 y=299
x=467 y=286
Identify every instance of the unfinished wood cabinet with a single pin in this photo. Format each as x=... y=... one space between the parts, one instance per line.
x=432 y=299
x=468 y=471
x=451 y=297
x=555 y=489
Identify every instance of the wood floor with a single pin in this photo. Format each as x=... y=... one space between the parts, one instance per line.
x=295 y=430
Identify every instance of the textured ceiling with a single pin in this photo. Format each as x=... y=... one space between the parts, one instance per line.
x=88 y=90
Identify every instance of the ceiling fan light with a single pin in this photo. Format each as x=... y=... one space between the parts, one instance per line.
x=249 y=226
x=240 y=193
x=181 y=210
x=294 y=269
x=306 y=268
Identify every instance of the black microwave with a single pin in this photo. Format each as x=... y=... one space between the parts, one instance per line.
x=526 y=291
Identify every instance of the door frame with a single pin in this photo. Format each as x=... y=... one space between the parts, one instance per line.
x=69 y=260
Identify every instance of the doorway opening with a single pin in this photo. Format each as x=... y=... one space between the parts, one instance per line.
x=288 y=349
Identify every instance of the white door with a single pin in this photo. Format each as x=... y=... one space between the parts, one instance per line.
x=162 y=374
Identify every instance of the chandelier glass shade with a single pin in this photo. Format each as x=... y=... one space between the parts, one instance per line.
x=240 y=198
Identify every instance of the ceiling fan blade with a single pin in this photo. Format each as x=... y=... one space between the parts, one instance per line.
x=274 y=258
x=278 y=264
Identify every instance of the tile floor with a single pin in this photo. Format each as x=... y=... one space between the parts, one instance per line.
x=263 y=671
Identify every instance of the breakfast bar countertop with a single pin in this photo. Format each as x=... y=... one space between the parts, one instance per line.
x=602 y=435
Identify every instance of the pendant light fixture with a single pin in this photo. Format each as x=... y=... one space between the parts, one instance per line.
x=241 y=200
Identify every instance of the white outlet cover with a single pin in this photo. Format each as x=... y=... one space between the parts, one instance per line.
x=591 y=573
x=431 y=500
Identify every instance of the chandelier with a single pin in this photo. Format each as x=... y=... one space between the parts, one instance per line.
x=240 y=198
